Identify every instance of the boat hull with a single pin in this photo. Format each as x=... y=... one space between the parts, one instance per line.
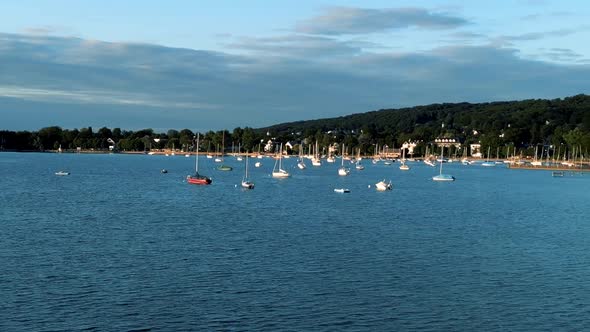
x=443 y=178
x=247 y=185
x=280 y=174
x=203 y=181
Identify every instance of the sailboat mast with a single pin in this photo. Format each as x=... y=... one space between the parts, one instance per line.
x=281 y=157
x=442 y=157
x=197 y=155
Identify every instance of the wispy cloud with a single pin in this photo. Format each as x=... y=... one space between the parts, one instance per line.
x=348 y=20
x=301 y=46
x=94 y=97
x=268 y=85
x=554 y=14
x=539 y=35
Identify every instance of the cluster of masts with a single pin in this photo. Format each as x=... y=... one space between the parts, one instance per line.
x=280 y=172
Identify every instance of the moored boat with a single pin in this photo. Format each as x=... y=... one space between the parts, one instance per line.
x=383 y=186
x=198 y=178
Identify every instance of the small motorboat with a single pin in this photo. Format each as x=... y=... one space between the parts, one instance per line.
x=164 y=171
x=62 y=173
x=342 y=190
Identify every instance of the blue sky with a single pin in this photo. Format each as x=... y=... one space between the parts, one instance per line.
x=223 y=64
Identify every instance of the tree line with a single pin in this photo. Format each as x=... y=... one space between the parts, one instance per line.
x=563 y=123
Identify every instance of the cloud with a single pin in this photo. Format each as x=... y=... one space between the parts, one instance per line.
x=348 y=20
x=538 y=35
x=552 y=15
x=75 y=82
x=300 y=46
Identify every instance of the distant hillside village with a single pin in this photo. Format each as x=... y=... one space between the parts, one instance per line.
x=520 y=127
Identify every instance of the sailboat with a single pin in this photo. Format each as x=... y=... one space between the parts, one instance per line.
x=488 y=163
x=343 y=171
x=403 y=166
x=246 y=183
x=223 y=167
x=316 y=161
x=358 y=165
x=239 y=157
x=442 y=177
x=198 y=178
x=427 y=159
x=536 y=162
x=279 y=172
x=383 y=186
x=301 y=163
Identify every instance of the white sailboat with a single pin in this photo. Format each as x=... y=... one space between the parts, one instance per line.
x=239 y=157
x=442 y=177
x=488 y=163
x=279 y=172
x=301 y=163
x=343 y=171
x=358 y=165
x=427 y=159
x=536 y=162
x=383 y=186
x=246 y=182
x=316 y=161
x=403 y=166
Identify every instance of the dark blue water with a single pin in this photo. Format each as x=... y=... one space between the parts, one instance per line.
x=117 y=246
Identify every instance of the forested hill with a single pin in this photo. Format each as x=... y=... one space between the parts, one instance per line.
x=522 y=124
x=519 y=123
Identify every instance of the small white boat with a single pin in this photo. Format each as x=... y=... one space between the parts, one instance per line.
x=429 y=163
x=62 y=173
x=187 y=155
x=257 y=164
x=383 y=186
x=443 y=178
x=301 y=164
x=281 y=173
x=342 y=190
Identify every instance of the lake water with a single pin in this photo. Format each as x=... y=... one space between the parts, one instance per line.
x=118 y=246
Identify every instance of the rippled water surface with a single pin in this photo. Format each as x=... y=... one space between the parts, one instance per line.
x=118 y=246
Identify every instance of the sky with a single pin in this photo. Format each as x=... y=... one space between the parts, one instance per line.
x=224 y=64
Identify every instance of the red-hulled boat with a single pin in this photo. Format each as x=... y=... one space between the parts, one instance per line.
x=198 y=178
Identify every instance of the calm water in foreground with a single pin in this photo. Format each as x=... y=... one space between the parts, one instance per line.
x=117 y=246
